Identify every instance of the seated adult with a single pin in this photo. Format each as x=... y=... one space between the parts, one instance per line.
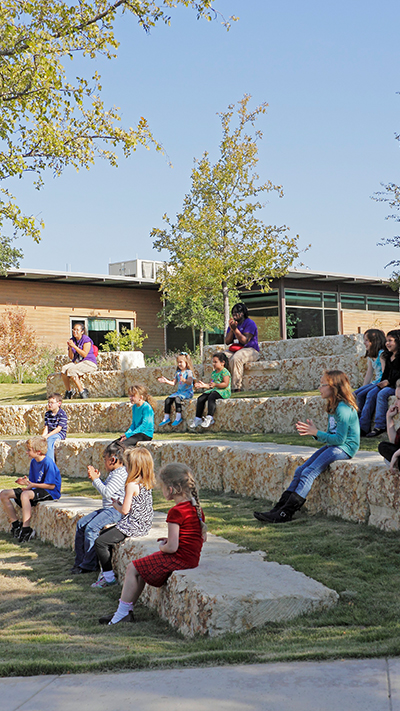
x=83 y=361
x=242 y=337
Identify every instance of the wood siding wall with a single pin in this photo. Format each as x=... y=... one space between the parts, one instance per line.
x=359 y=321
x=50 y=306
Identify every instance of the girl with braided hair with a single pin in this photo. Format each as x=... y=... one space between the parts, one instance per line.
x=180 y=550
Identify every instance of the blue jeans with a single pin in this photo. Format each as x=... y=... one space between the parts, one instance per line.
x=50 y=444
x=361 y=393
x=87 y=530
x=304 y=476
x=377 y=399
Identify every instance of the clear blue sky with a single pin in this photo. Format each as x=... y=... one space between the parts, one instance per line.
x=330 y=73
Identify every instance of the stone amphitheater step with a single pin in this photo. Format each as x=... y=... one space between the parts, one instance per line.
x=360 y=489
x=226 y=593
x=295 y=364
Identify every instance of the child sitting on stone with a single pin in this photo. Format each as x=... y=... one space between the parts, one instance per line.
x=43 y=484
x=391 y=450
x=55 y=423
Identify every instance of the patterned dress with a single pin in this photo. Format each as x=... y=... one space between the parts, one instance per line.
x=139 y=520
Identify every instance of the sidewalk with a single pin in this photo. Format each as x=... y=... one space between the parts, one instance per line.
x=355 y=685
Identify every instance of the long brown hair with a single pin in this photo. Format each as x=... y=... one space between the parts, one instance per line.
x=377 y=340
x=341 y=390
x=143 y=394
x=140 y=466
x=180 y=479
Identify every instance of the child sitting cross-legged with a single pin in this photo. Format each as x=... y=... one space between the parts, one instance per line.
x=89 y=527
x=179 y=551
x=43 y=484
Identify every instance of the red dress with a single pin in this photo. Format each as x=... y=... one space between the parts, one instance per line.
x=156 y=568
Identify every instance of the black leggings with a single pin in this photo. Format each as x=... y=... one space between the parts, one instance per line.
x=171 y=401
x=132 y=441
x=387 y=450
x=211 y=398
x=104 y=545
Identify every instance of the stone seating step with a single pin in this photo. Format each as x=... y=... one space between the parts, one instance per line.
x=231 y=591
x=361 y=489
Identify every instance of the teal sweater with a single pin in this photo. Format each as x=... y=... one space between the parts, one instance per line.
x=142 y=420
x=343 y=430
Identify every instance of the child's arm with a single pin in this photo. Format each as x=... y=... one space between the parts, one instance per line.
x=201 y=384
x=392 y=411
x=394 y=468
x=306 y=428
x=131 y=490
x=45 y=432
x=53 y=432
x=171 y=544
x=24 y=481
x=223 y=384
x=342 y=416
x=165 y=380
x=369 y=373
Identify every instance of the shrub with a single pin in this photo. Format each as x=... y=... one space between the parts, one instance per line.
x=128 y=340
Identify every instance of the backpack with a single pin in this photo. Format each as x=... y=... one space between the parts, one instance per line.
x=95 y=350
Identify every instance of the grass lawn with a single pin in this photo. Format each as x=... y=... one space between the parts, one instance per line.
x=49 y=618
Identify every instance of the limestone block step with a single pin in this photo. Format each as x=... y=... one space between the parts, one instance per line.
x=231 y=590
x=110 y=360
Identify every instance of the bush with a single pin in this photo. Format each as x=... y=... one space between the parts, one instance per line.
x=44 y=365
x=128 y=340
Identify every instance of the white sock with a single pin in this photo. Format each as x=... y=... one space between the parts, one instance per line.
x=123 y=609
x=178 y=417
x=109 y=575
x=166 y=417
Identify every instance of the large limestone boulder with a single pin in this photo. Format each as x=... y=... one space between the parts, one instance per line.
x=109 y=360
x=101 y=383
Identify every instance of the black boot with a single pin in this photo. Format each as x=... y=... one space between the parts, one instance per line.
x=262 y=515
x=286 y=513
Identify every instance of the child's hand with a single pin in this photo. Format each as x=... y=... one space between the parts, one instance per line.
x=393 y=410
x=22 y=481
x=162 y=540
x=306 y=428
x=122 y=438
x=93 y=473
x=162 y=379
x=393 y=468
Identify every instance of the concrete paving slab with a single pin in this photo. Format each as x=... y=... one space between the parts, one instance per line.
x=359 y=685
x=394 y=681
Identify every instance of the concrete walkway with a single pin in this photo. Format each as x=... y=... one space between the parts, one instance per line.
x=355 y=685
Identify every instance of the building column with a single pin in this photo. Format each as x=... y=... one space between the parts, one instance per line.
x=282 y=310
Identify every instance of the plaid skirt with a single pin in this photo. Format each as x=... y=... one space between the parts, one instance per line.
x=156 y=568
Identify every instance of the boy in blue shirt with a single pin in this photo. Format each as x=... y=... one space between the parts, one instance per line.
x=43 y=484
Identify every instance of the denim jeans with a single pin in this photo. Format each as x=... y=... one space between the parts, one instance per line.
x=377 y=399
x=304 y=476
x=87 y=530
x=50 y=444
x=361 y=393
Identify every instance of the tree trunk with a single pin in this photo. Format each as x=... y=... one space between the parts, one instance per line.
x=201 y=343
x=194 y=338
x=225 y=293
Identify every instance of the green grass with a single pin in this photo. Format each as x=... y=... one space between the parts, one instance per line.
x=49 y=618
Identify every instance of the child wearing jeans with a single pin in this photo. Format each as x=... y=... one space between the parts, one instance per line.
x=179 y=551
x=55 y=423
x=220 y=387
x=184 y=382
x=43 y=484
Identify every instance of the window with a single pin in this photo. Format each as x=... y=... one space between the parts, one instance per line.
x=354 y=301
x=303 y=298
x=383 y=303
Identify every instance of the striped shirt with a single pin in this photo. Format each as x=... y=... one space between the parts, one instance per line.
x=51 y=421
x=113 y=487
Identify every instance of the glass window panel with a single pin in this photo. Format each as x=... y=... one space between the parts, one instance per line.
x=125 y=324
x=102 y=324
x=353 y=301
x=304 y=323
x=383 y=303
x=303 y=298
x=330 y=299
x=256 y=313
x=331 y=322
x=260 y=300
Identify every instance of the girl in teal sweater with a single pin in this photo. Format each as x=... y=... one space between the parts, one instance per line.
x=341 y=441
x=142 y=427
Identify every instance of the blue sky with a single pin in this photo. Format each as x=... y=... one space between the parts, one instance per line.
x=330 y=73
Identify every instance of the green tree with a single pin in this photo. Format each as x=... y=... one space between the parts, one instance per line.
x=218 y=234
x=391 y=195
x=49 y=121
x=129 y=340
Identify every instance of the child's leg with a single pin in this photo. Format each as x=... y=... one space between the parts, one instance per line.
x=132 y=441
x=104 y=544
x=132 y=588
x=368 y=409
x=168 y=404
x=5 y=497
x=361 y=393
x=317 y=463
x=50 y=444
x=387 y=450
x=26 y=498
x=200 y=404
x=212 y=402
x=382 y=406
x=178 y=410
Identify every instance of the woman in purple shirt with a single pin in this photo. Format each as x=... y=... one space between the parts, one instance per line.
x=83 y=361
x=242 y=337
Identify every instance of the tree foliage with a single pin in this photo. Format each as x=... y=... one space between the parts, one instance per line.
x=49 y=121
x=19 y=348
x=218 y=235
x=131 y=339
x=391 y=195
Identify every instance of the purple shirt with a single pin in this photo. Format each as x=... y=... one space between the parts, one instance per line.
x=77 y=358
x=248 y=326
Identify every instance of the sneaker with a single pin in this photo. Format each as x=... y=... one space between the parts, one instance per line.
x=194 y=423
x=101 y=582
x=26 y=534
x=177 y=422
x=84 y=393
x=207 y=421
x=16 y=529
x=165 y=422
x=68 y=395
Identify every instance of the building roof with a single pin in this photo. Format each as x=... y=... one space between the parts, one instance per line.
x=332 y=276
x=44 y=275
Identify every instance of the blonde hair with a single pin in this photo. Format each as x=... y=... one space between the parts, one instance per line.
x=186 y=357
x=38 y=444
x=180 y=479
x=140 y=466
x=341 y=390
x=143 y=394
